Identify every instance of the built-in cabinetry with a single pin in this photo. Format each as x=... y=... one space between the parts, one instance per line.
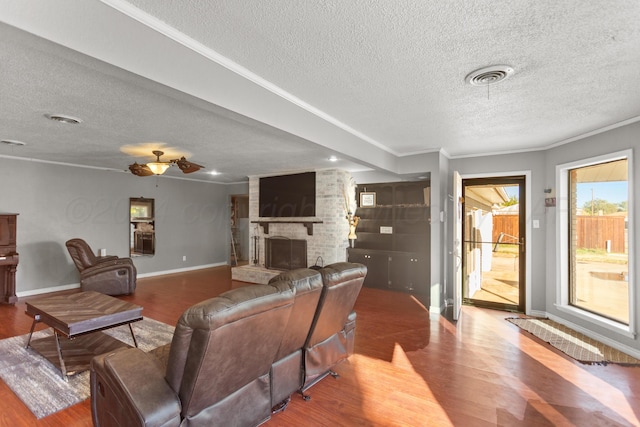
x=394 y=235
x=8 y=258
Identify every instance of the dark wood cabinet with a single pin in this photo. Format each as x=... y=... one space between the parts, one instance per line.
x=8 y=258
x=394 y=236
x=400 y=271
x=409 y=272
x=377 y=263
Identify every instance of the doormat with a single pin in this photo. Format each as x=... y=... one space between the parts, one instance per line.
x=39 y=384
x=574 y=344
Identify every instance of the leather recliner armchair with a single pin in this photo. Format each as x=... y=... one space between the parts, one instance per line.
x=332 y=335
x=109 y=275
x=286 y=372
x=321 y=330
x=217 y=372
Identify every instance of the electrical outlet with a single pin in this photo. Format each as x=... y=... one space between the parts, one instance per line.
x=184 y=257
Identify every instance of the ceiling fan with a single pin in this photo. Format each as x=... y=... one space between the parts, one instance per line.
x=158 y=167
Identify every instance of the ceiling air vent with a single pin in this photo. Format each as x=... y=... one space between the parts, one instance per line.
x=489 y=75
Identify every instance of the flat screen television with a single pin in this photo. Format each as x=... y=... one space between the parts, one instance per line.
x=287 y=196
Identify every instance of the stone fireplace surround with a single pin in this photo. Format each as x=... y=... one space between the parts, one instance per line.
x=327 y=240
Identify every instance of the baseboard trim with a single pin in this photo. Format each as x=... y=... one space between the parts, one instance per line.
x=47 y=290
x=181 y=270
x=436 y=311
x=537 y=313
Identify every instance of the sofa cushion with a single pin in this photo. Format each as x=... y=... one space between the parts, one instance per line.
x=222 y=344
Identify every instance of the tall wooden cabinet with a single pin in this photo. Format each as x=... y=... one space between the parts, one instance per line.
x=8 y=258
x=394 y=235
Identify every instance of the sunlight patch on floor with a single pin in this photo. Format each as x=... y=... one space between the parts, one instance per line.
x=400 y=359
x=587 y=382
x=383 y=401
x=532 y=398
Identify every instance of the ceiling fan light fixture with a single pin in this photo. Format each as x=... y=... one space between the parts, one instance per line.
x=140 y=169
x=158 y=168
x=489 y=75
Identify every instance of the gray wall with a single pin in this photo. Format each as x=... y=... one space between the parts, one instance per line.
x=507 y=163
x=58 y=202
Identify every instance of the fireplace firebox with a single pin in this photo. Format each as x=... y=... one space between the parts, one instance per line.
x=282 y=253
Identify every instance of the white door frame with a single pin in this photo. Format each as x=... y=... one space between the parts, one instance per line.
x=457 y=245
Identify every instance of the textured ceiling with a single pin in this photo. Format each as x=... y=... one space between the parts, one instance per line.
x=262 y=87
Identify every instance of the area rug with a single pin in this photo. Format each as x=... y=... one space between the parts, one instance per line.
x=39 y=384
x=574 y=344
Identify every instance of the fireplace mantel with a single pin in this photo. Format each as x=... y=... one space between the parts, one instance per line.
x=307 y=222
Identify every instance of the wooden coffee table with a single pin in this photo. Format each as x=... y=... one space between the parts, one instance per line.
x=79 y=317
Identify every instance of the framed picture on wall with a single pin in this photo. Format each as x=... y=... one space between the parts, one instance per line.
x=367 y=200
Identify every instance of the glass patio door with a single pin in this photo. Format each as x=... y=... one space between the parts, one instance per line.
x=493 y=255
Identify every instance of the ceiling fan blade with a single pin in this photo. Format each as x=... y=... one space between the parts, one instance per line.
x=140 y=170
x=186 y=166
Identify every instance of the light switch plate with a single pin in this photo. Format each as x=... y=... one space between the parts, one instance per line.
x=386 y=230
x=536 y=223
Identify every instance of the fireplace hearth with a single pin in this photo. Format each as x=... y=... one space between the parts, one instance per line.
x=282 y=253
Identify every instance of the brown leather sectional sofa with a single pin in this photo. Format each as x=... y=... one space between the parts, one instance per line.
x=234 y=357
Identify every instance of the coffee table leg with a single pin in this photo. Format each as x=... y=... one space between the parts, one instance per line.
x=36 y=319
x=135 y=342
x=63 y=368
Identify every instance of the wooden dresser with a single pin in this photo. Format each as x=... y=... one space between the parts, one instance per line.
x=8 y=258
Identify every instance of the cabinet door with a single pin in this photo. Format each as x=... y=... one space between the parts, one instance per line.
x=409 y=272
x=377 y=267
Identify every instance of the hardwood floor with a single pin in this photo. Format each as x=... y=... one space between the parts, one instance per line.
x=408 y=370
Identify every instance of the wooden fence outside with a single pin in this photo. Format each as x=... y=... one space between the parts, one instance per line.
x=506 y=224
x=593 y=232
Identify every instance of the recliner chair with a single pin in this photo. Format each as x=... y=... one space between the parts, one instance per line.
x=332 y=334
x=287 y=370
x=109 y=275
